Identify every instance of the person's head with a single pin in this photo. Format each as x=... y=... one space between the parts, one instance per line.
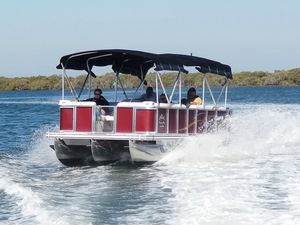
x=191 y=92
x=97 y=93
x=149 y=91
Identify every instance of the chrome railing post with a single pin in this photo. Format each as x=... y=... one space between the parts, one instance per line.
x=203 y=90
x=63 y=82
x=156 y=88
x=179 y=89
x=226 y=93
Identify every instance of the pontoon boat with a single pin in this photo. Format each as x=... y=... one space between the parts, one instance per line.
x=141 y=132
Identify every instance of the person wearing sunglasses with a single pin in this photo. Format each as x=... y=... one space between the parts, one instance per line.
x=98 y=98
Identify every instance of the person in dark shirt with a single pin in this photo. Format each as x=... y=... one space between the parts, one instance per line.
x=150 y=95
x=98 y=98
x=163 y=98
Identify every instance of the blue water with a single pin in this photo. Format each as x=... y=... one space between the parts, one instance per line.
x=247 y=175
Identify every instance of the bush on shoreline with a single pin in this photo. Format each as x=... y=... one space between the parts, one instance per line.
x=53 y=82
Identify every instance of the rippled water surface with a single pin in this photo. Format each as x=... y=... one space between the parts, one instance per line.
x=249 y=174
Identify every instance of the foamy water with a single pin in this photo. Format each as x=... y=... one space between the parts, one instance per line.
x=248 y=173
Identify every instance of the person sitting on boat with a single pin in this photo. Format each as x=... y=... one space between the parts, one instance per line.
x=150 y=95
x=192 y=98
x=98 y=98
x=163 y=98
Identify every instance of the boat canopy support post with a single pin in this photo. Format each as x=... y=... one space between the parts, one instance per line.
x=162 y=86
x=90 y=85
x=90 y=73
x=120 y=82
x=203 y=90
x=88 y=76
x=85 y=80
x=179 y=89
x=116 y=86
x=174 y=87
x=226 y=93
x=142 y=81
x=209 y=89
x=63 y=82
x=225 y=85
x=73 y=91
x=156 y=88
x=134 y=95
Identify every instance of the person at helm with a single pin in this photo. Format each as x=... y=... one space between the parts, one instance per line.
x=98 y=98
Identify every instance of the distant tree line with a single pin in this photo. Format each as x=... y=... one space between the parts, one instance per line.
x=277 y=78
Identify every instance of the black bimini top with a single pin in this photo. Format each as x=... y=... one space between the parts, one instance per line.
x=138 y=63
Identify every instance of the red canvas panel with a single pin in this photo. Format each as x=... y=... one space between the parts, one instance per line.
x=173 y=121
x=66 y=118
x=124 y=120
x=84 y=119
x=145 y=120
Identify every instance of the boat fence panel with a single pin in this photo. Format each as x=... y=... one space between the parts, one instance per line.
x=145 y=120
x=192 y=121
x=163 y=118
x=160 y=120
x=84 y=117
x=173 y=121
x=124 y=119
x=182 y=121
x=76 y=116
x=66 y=118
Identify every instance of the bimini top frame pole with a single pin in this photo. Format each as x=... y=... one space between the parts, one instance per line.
x=223 y=90
x=174 y=87
x=140 y=63
x=63 y=82
x=225 y=85
x=203 y=91
x=73 y=91
x=226 y=93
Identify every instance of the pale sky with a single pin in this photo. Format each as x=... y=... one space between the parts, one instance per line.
x=248 y=35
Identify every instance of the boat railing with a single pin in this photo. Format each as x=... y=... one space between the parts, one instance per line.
x=165 y=119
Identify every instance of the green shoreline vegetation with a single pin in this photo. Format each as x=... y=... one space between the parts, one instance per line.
x=277 y=78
